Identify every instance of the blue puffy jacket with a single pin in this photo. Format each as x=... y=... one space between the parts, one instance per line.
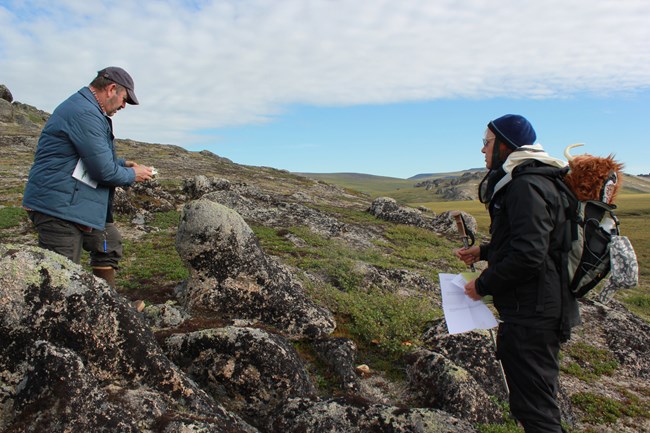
x=78 y=129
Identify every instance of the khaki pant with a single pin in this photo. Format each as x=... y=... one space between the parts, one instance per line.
x=66 y=238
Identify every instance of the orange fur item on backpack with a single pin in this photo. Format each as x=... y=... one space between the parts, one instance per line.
x=593 y=177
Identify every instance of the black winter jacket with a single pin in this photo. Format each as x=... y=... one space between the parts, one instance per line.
x=523 y=273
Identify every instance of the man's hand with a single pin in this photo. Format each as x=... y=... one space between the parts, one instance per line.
x=470 y=290
x=469 y=255
x=142 y=172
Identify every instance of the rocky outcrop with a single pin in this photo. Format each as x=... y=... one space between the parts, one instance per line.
x=70 y=341
x=623 y=333
x=473 y=351
x=144 y=197
x=6 y=111
x=232 y=277
x=77 y=357
x=5 y=94
x=351 y=415
x=255 y=370
x=387 y=209
x=440 y=383
x=278 y=211
x=339 y=354
x=454 y=188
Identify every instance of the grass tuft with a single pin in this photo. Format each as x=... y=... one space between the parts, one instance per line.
x=600 y=409
x=589 y=363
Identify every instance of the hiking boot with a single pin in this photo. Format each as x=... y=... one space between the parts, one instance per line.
x=106 y=273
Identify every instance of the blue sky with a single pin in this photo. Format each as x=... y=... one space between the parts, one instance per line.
x=369 y=86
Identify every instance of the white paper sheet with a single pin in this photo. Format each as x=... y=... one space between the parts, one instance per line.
x=462 y=314
x=80 y=173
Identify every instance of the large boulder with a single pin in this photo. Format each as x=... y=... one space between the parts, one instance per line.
x=69 y=341
x=472 y=351
x=352 y=415
x=5 y=94
x=441 y=384
x=59 y=393
x=387 y=208
x=256 y=371
x=339 y=354
x=232 y=277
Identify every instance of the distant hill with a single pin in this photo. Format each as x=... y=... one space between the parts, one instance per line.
x=422 y=188
x=423 y=176
x=434 y=187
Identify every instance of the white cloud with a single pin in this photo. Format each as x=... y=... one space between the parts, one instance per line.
x=207 y=64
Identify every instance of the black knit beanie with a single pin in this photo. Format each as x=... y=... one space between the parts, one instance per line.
x=513 y=130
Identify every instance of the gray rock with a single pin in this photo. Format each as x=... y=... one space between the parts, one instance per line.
x=339 y=354
x=166 y=315
x=473 y=351
x=277 y=211
x=199 y=185
x=57 y=379
x=623 y=333
x=5 y=94
x=441 y=384
x=90 y=334
x=348 y=415
x=143 y=197
x=445 y=223
x=231 y=276
x=388 y=209
x=6 y=111
x=250 y=370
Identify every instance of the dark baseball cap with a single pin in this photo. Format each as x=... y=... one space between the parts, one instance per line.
x=121 y=77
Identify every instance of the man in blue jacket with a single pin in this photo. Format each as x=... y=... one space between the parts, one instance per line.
x=523 y=274
x=72 y=181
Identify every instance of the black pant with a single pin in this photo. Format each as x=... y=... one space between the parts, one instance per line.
x=531 y=364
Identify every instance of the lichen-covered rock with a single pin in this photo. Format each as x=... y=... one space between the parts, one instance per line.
x=441 y=384
x=339 y=354
x=164 y=315
x=473 y=351
x=400 y=281
x=623 y=333
x=231 y=276
x=59 y=394
x=252 y=371
x=347 y=415
x=280 y=211
x=387 y=208
x=200 y=185
x=143 y=196
x=445 y=223
x=272 y=211
x=92 y=335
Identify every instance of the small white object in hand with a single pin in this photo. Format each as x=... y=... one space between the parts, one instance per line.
x=154 y=172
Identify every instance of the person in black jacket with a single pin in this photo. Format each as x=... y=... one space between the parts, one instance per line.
x=523 y=274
